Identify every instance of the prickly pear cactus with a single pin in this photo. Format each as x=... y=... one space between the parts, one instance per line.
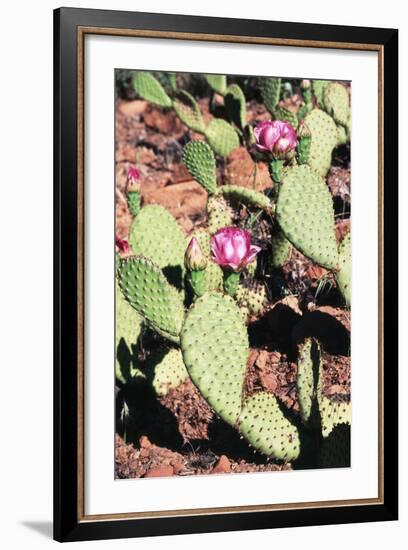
x=166 y=372
x=280 y=249
x=263 y=423
x=246 y=196
x=220 y=213
x=200 y=162
x=148 y=291
x=128 y=327
x=155 y=234
x=305 y=213
x=286 y=116
x=214 y=343
x=150 y=89
x=221 y=136
x=332 y=413
x=305 y=386
x=252 y=296
x=235 y=105
x=133 y=202
x=336 y=103
x=318 y=89
x=343 y=276
x=324 y=139
x=270 y=90
x=188 y=111
x=218 y=82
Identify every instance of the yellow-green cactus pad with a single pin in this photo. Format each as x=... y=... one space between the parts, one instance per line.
x=214 y=343
x=200 y=162
x=218 y=82
x=235 y=105
x=343 y=276
x=337 y=103
x=150 y=89
x=324 y=139
x=263 y=423
x=305 y=213
x=221 y=137
x=148 y=291
x=156 y=235
x=270 y=90
x=188 y=111
x=128 y=326
x=246 y=196
x=166 y=372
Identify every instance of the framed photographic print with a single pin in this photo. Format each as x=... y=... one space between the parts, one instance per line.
x=225 y=274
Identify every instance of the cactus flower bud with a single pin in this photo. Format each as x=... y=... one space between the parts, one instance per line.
x=305 y=84
x=194 y=259
x=276 y=137
x=133 y=177
x=231 y=248
x=123 y=247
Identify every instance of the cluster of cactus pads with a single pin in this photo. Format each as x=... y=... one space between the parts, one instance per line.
x=204 y=336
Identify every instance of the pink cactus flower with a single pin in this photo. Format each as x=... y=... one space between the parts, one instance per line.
x=276 y=137
x=133 y=175
x=194 y=258
x=123 y=247
x=231 y=248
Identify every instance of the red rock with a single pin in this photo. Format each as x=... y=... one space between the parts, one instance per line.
x=223 y=466
x=163 y=471
x=178 y=467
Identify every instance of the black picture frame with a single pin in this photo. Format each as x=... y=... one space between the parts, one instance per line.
x=67 y=336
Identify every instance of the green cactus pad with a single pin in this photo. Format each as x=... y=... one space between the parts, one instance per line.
x=147 y=290
x=281 y=249
x=128 y=327
x=270 y=90
x=188 y=111
x=267 y=429
x=343 y=276
x=332 y=413
x=342 y=135
x=252 y=296
x=324 y=139
x=235 y=105
x=286 y=116
x=166 y=372
x=305 y=213
x=318 y=89
x=172 y=77
x=218 y=82
x=246 y=196
x=147 y=87
x=200 y=162
x=220 y=213
x=213 y=277
x=156 y=235
x=133 y=202
x=221 y=136
x=214 y=343
x=305 y=386
x=336 y=103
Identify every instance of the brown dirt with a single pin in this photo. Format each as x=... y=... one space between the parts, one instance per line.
x=192 y=412
x=150 y=460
